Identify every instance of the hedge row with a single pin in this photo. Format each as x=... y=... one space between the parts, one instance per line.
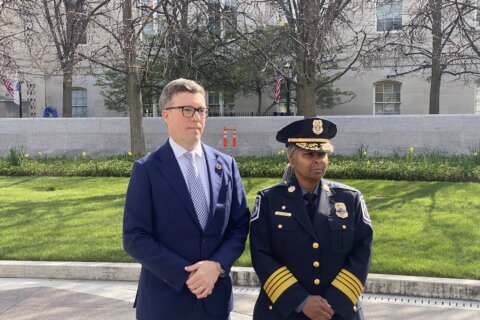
x=415 y=168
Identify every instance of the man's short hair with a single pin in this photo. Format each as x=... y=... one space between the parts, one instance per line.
x=177 y=86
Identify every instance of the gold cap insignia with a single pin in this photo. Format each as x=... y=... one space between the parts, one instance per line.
x=317 y=126
x=341 y=210
x=291 y=188
x=218 y=166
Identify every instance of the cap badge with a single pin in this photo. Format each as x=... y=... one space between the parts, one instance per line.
x=291 y=188
x=317 y=126
x=341 y=210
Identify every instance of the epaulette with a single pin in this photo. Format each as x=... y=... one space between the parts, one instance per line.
x=338 y=185
x=277 y=185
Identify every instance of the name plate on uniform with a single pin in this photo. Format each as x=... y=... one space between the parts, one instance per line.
x=283 y=214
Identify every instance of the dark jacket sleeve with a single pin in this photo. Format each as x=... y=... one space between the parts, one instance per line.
x=137 y=233
x=345 y=290
x=279 y=284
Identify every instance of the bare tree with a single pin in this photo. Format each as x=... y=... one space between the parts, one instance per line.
x=433 y=42
x=66 y=23
x=321 y=35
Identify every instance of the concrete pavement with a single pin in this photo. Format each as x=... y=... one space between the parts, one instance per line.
x=53 y=299
x=32 y=290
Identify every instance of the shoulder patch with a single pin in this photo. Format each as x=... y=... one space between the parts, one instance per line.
x=365 y=215
x=256 y=208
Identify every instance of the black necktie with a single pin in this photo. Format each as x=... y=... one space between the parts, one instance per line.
x=310 y=197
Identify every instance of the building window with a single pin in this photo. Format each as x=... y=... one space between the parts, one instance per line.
x=387 y=98
x=477 y=97
x=214 y=102
x=230 y=19
x=389 y=15
x=214 y=24
x=79 y=103
x=478 y=15
x=78 y=16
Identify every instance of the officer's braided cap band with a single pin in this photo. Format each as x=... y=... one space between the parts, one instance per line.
x=311 y=134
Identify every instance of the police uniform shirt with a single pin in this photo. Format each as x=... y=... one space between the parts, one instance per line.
x=294 y=258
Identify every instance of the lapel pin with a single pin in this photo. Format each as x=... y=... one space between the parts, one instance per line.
x=291 y=188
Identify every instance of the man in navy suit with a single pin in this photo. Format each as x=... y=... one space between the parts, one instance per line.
x=186 y=217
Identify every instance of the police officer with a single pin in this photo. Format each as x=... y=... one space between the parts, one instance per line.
x=310 y=238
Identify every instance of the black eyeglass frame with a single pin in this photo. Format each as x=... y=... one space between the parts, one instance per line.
x=197 y=110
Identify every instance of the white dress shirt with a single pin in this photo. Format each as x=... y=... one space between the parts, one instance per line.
x=200 y=162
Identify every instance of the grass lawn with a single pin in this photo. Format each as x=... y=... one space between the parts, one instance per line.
x=420 y=228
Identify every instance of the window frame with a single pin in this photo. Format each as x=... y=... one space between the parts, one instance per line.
x=391 y=16
x=75 y=106
x=385 y=102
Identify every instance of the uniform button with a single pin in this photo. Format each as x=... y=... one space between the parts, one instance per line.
x=355 y=308
x=316 y=264
x=315 y=245
x=270 y=307
x=344 y=227
x=280 y=226
x=316 y=281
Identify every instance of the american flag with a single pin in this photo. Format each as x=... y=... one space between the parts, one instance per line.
x=278 y=87
x=8 y=85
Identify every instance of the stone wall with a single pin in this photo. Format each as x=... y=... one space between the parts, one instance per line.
x=381 y=135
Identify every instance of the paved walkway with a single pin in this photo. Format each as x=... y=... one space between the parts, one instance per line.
x=45 y=299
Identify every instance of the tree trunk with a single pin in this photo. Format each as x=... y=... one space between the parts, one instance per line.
x=137 y=138
x=436 y=78
x=67 y=91
x=259 y=101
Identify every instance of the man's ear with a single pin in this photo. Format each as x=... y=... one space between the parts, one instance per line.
x=165 y=115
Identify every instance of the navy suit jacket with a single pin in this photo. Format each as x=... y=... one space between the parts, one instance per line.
x=161 y=231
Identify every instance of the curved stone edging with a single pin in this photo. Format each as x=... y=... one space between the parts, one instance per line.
x=442 y=288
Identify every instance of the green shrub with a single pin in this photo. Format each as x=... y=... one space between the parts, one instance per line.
x=411 y=167
x=16 y=156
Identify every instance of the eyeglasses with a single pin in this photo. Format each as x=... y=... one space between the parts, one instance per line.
x=188 y=112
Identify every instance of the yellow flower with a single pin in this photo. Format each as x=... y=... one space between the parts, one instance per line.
x=129 y=153
x=281 y=152
x=84 y=154
x=365 y=152
x=411 y=150
x=26 y=155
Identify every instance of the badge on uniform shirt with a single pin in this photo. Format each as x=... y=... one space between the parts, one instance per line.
x=218 y=166
x=341 y=210
x=256 y=208
x=291 y=188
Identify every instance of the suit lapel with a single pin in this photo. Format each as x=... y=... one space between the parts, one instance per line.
x=294 y=192
x=215 y=175
x=168 y=166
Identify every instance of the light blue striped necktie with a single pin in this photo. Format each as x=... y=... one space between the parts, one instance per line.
x=197 y=192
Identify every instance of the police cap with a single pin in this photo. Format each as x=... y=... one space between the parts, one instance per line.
x=312 y=134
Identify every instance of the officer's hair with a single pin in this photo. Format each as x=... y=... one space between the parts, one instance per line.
x=289 y=172
x=177 y=86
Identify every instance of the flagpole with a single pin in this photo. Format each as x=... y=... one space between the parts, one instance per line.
x=20 y=96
